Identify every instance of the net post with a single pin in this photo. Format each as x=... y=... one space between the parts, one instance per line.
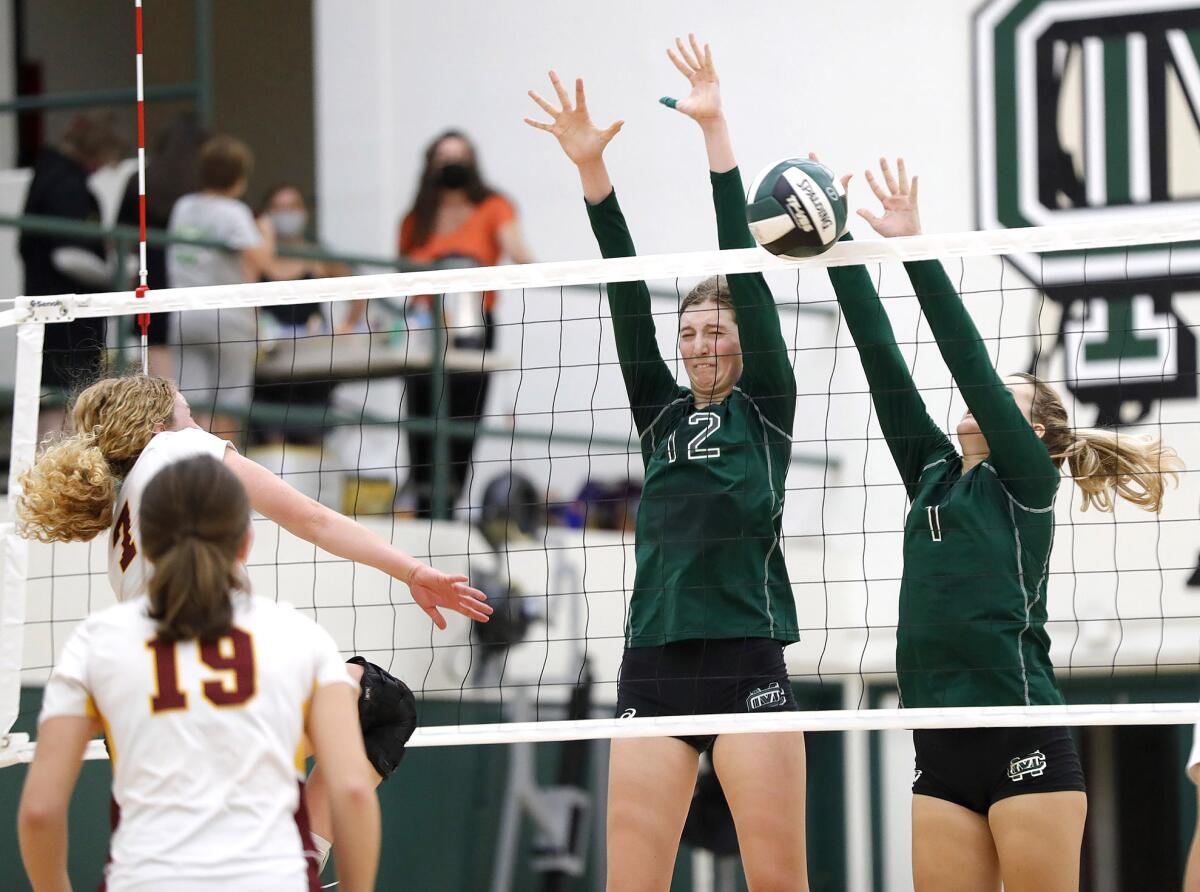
x=16 y=550
x=441 y=412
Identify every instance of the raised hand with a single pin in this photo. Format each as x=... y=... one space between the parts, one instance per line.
x=901 y=215
x=703 y=103
x=432 y=589
x=579 y=137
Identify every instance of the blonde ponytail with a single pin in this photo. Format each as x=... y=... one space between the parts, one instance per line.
x=68 y=493
x=1104 y=464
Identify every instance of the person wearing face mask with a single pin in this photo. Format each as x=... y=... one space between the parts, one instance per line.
x=284 y=212
x=456 y=216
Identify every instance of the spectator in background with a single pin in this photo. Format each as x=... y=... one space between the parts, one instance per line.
x=283 y=210
x=171 y=172
x=218 y=347
x=72 y=351
x=456 y=216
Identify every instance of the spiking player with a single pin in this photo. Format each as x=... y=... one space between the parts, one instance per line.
x=204 y=693
x=127 y=430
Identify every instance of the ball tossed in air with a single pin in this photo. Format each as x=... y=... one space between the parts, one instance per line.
x=796 y=208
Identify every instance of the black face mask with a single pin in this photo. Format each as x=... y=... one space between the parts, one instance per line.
x=455 y=175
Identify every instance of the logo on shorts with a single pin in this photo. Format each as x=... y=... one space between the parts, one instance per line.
x=1033 y=765
x=916 y=776
x=629 y=713
x=771 y=695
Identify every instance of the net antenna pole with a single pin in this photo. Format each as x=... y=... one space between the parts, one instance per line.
x=143 y=319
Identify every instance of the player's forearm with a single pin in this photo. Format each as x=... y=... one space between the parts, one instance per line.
x=356 y=829
x=597 y=185
x=349 y=539
x=44 y=851
x=718 y=144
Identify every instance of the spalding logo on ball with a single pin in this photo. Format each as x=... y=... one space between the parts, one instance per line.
x=796 y=208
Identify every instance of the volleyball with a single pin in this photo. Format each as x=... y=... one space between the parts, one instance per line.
x=796 y=208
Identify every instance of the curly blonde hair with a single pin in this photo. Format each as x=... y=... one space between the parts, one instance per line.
x=1104 y=464
x=68 y=493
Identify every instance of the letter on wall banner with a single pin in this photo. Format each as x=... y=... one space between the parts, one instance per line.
x=1089 y=110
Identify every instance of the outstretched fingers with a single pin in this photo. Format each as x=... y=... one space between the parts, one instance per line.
x=580 y=97
x=543 y=104
x=903 y=171
x=888 y=176
x=869 y=217
x=875 y=187
x=612 y=130
x=697 y=52
x=678 y=63
x=560 y=90
x=916 y=181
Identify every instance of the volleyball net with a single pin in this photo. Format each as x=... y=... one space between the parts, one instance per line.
x=498 y=442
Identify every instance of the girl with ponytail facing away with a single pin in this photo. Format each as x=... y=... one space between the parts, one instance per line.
x=127 y=430
x=205 y=694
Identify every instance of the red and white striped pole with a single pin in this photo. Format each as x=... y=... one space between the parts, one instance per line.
x=143 y=318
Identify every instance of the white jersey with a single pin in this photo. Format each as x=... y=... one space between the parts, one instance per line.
x=205 y=741
x=128 y=570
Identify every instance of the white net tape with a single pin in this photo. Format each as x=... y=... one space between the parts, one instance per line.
x=1118 y=582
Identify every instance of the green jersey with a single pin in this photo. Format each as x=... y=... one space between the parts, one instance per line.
x=709 y=557
x=972 y=625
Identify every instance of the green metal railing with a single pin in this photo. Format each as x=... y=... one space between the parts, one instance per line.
x=124 y=240
x=199 y=89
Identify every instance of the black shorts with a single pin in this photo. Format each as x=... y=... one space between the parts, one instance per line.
x=977 y=767
x=699 y=677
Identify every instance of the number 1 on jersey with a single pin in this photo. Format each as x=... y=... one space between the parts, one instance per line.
x=231 y=653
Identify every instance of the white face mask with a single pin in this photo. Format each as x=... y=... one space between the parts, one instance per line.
x=289 y=223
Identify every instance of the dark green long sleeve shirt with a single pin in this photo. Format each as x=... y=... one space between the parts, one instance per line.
x=709 y=557
x=972 y=625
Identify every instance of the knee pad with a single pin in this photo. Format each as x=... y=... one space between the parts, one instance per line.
x=387 y=712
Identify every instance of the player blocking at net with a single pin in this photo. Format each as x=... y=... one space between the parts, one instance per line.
x=127 y=429
x=204 y=693
x=990 y=805
x=712 y=605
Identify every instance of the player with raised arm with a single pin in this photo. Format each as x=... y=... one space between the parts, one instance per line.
x=990 y=805
x=712 y=606
x=204 y=693
x=126 y=430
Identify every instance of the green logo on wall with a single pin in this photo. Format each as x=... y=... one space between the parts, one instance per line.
x=1089 y=110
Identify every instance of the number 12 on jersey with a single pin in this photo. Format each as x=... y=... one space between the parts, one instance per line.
x=232 y=654
x=696 y=450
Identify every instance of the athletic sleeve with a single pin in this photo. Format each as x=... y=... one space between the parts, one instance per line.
x=767 y=372
x=66 y=693
x=1015 y=451
x=913 y=438
x=648 y=382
